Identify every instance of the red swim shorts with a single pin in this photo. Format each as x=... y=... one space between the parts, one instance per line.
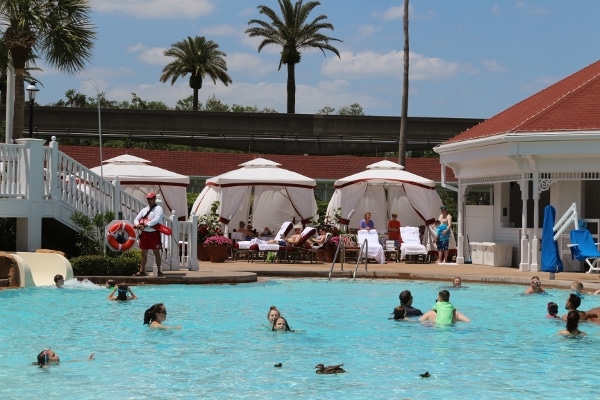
x=150 y=240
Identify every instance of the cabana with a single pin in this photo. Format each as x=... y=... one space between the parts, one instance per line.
x=259 y=192
x=383 y=188
x=138 y=178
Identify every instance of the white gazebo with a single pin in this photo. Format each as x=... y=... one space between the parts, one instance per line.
x=383 y=188
x=543 y=150
x=259 y=192
x=137 y=177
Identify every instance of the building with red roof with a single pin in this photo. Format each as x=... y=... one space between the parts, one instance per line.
x=541 y=151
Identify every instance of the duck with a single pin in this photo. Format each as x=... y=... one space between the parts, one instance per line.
x=425 y=375
x=330 y=369
x=278 y=365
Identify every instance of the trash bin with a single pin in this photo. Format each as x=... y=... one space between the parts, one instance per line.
x=497 y=254
x=476 y=252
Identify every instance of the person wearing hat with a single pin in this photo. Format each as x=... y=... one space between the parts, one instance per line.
x=394 y=230
x=149 y=237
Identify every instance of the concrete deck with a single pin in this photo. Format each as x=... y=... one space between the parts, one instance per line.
x=232 y=272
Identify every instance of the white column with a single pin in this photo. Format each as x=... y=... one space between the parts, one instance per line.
x=460 y=242
x=524 y=265
x=534 y=267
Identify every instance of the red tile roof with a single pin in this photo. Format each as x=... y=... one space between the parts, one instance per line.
x=571 y=104
x=207 y=165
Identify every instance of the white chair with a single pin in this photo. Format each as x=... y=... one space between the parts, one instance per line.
x=374 y=248
x=411 y=243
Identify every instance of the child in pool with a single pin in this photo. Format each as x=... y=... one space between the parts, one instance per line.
x=399 y=313
x=443 y=312
x=49 y=357
x=273 y=314
x=280 y=324
x=552 y=310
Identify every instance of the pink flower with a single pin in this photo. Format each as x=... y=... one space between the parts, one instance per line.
x=217 y=240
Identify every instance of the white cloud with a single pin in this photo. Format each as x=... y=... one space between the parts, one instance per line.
x=154 y=56
x=221 y=30
x=493 y=66
x=391 y=13
x=371 y=64
x=156 y=8
x=248 y=64
x=366 y=31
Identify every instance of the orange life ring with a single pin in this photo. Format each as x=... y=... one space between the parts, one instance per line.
x=121 y=236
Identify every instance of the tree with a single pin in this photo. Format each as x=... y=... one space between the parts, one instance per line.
x=352 y=109
x=404 y=116
x=215 y=105
x=292 y=32
x=58 y=31
x=198 y=57
x=326 y=110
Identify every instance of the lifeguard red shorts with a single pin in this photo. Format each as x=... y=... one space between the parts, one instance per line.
x=150 y=240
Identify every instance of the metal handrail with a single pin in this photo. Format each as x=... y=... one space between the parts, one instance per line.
x=365 y=246
x=337 y=252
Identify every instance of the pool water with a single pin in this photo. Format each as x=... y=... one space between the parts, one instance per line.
x=226 y=349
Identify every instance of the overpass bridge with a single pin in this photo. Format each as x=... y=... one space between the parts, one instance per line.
x=312 y=134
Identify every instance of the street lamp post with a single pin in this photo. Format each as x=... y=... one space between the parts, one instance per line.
x=32 y=90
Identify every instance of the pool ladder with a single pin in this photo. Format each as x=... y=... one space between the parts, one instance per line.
x=342 y=247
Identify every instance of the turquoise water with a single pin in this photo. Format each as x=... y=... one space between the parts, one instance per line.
x=225 y=349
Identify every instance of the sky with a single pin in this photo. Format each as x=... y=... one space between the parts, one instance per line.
x=468 y=58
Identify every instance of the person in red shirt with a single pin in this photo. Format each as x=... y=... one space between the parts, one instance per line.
x=394 y=229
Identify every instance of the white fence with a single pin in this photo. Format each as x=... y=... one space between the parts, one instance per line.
x=39 y=182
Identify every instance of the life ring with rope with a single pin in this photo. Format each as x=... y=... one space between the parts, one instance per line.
x=120 y=235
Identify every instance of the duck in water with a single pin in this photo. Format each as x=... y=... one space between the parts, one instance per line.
x=331 y=369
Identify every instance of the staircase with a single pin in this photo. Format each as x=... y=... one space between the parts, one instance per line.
x=39 y=182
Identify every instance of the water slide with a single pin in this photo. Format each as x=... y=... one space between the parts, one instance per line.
x=38 y=269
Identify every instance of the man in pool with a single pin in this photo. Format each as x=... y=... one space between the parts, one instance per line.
x=406 y=300
x=59 y=280
x=535 y=286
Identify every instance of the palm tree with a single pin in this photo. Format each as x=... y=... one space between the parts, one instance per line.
x=404 y=116
x=292 y=32
x=198 y=57
x=58 y=31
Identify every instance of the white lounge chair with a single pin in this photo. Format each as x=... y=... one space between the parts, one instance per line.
x=411 y=243
x=374 y=249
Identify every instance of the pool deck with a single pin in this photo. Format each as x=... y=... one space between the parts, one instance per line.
x=231 y=272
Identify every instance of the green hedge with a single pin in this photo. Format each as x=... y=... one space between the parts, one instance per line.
x=124 y=264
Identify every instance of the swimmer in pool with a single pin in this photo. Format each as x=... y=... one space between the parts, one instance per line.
x=59 y=280
x=535 y=286
x=443 y=312
x=273 y=314
x=399 y=313
x=280 y=324
x=155 y=315
x=49 y=357
x=552 y=310
x=124 y=293
x=572 y=328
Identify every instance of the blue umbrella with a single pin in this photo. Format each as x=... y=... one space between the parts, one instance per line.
x=551 y=261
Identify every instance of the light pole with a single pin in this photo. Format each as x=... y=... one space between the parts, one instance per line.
x=32 y=90
x=93 y=82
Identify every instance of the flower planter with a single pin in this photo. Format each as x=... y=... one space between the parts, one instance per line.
x=203 y=253
x=218 y=254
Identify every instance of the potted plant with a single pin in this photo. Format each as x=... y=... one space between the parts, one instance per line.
x=218 y=248
x=208 y=225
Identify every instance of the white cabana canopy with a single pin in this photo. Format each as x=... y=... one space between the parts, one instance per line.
x=274 y=195
x=138 y=178
x=384 y=188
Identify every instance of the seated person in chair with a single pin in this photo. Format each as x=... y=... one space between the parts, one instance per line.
x=292 y=240
x=248 y=234
x=320 y=240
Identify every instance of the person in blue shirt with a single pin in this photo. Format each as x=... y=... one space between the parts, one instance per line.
x=367 y=223
x=442 y=241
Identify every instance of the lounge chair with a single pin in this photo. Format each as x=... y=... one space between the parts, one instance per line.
x=585 y=249
x=253 y=247
x=374 y=249
x=411 y=244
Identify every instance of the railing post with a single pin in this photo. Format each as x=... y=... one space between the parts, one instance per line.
x=29 y=229
x=193 y=245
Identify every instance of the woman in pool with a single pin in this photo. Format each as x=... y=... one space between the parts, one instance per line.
x=49 y=357
x=122 y=290
x=457 y=282
x=280 y=324
x=155 y=315
x=572 y=328
x=273 y=314
x=552 y=310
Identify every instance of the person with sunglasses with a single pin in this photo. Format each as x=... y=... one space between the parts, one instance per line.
x=535 y=287
x=155 y=315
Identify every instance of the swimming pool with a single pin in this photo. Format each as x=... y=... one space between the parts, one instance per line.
x=225 y=349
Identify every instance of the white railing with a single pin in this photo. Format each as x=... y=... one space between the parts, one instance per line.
x=56 y=177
